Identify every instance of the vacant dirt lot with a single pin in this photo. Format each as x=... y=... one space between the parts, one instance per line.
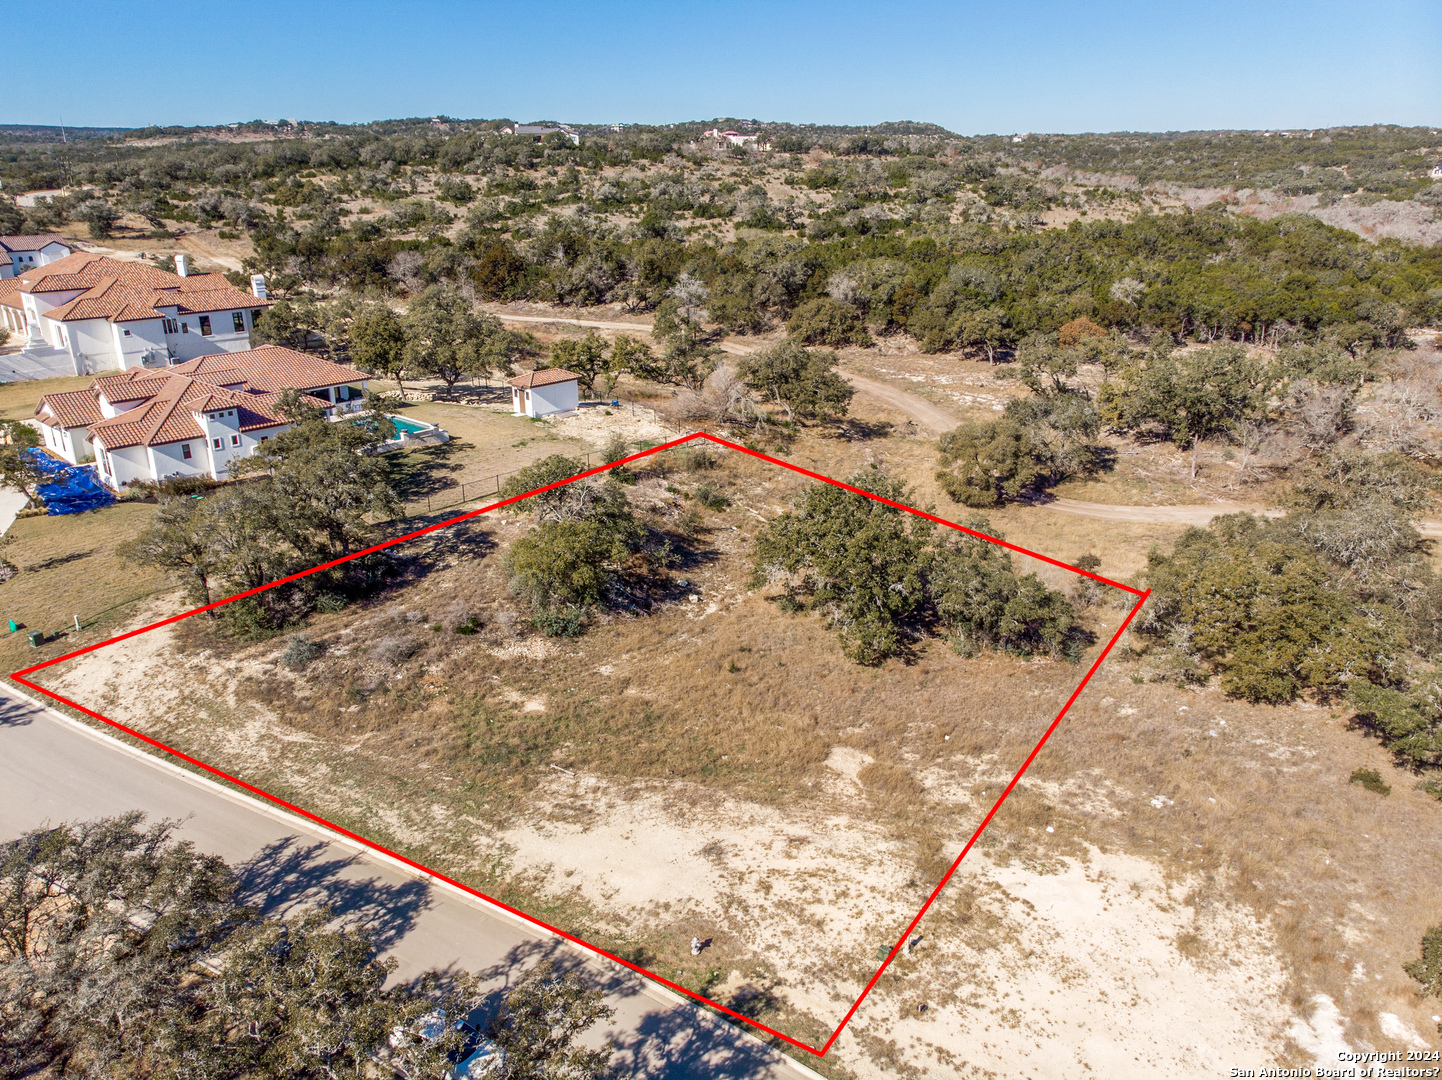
x=717 y=769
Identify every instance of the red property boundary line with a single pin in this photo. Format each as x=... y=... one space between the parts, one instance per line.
x=20 y=677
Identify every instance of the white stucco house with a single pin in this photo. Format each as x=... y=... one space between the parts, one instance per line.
x=192 y=419
x=20 y=253
x=540 y=131
x=545 y=393
x=85 y=313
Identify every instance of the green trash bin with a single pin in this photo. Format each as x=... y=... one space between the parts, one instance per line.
x=36 y=638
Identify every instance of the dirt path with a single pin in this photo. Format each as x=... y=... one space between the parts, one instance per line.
x=1195 y=514
x=506 y=317
x=937 y=420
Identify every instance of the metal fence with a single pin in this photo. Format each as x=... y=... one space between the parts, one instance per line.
x=459 y=492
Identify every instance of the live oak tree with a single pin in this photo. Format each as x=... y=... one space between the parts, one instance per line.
x=317 y=503
x=881 y=576
x=857 y=560
x=571 y=562
x=824 y=321
x=802 y=381
x=586 y=357
x=540 y=1022
x=985 y=604
x=295 y=322
x=18 y=470
x=378 y=340
x=100 y=925
x=446 y=337
x=1189 y=397
x=179 y=541
x=1247 y=599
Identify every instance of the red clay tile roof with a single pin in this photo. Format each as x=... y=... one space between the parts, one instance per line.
x=10 y=293
x=73 y=408
x=250 y=382
x=544 y=378
x=33 y=242
x=170 y=416
x=137 y=384
x=269 y=368
x=125 y=291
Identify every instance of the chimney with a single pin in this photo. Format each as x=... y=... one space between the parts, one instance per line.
x=180 y=265
x=257 y=286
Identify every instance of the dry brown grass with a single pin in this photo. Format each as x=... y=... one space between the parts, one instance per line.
x=18 y=399
x=747 y=701
x=68 y=567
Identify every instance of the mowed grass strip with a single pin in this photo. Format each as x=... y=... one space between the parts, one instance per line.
x=18 y=399
x=68 y=567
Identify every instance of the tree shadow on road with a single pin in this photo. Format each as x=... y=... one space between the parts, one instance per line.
x=16 y=713
x=678 y=1044
x=671 y=1041
x=290 y=873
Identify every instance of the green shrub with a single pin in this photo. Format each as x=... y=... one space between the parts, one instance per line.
x=696 y=458
x=178 y=486
x=1372 y=780
x=1408 y=723
x=1427 y=969
x=567 y=623
x=299 y=651
x=710 y=496
x=825 y=322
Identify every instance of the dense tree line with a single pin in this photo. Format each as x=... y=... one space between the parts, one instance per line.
x=313 y=495
x=882 y=254
x=1335 y=598
x=885 y=579
x=125 y=952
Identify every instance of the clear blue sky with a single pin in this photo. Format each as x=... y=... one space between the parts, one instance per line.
x=1037 y=65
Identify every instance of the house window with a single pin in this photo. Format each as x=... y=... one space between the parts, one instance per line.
x=238 y=318
x=185 y=451
x=235 y=440
x=205 y=325
x=254 y=315
x=170 y=327
x=185 y=328
x=127 y=333
x=220 y=444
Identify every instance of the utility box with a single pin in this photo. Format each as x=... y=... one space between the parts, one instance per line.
x=36 y=638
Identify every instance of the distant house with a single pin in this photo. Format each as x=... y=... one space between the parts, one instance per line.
x=539 y=131
x=19 y=253
x=83 y=314
x=1437 y=171
x=545 y=393
x=735 y=138
x=193 y=419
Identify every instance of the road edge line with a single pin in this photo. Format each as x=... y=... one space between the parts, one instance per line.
x=250 y=802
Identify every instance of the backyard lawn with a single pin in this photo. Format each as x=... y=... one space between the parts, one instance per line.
x=68 y=567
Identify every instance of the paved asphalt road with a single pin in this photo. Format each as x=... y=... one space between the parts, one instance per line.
x=53 y=769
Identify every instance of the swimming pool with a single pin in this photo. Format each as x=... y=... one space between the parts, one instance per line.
x=409 y=427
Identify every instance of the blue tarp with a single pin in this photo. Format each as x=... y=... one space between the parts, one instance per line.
x=71 y=489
